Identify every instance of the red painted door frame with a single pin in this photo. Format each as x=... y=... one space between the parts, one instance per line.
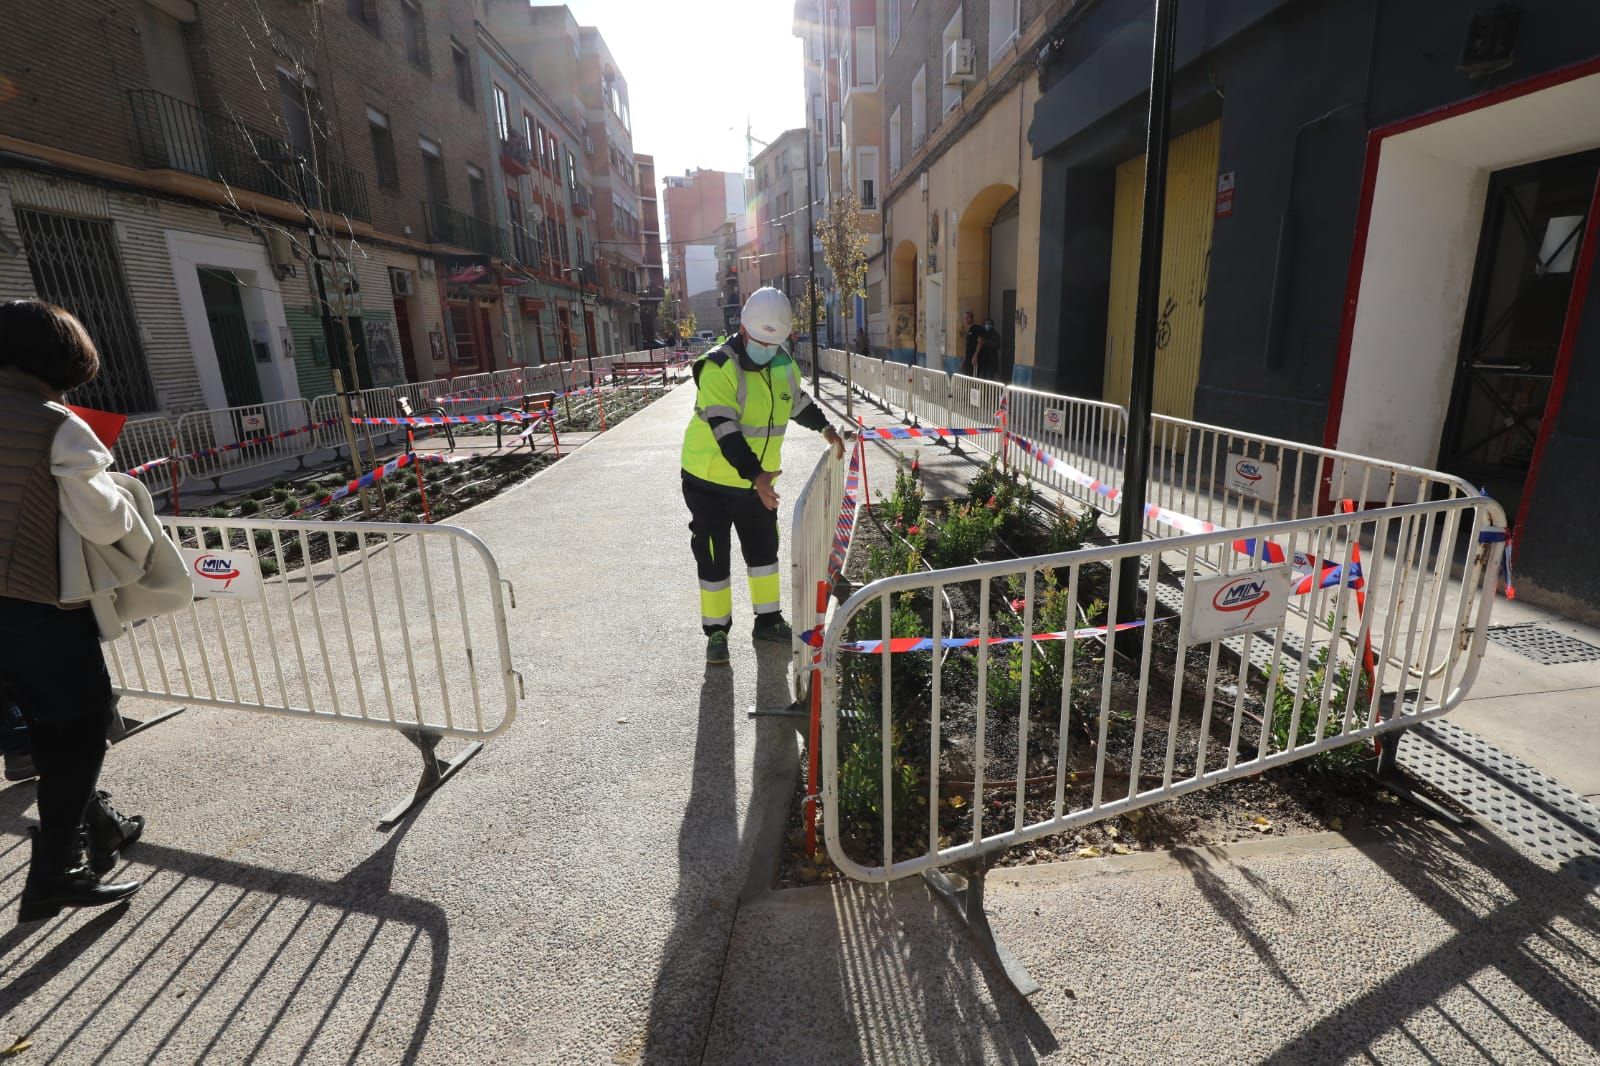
x=1358 y=254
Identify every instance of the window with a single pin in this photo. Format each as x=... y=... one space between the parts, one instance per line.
x=519 y=237
x=502 y=113
x=867 y=177
x=415 y=32
x=952 y=34
x=435 y=188
x=919 y=107
x=1002 y=27
x=894 y=141
x=894 y=23
x=463 y=65
x=479 y=192
x=544 y=159
x=833 y=125
x=364 y=12
x=385 y=171
x=527 y=136
x=572 y=170
x=866 y=52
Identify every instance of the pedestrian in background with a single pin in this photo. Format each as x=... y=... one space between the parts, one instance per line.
x=53 y=472
x=977 y=339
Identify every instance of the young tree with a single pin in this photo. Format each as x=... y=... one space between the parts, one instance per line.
x=844 y=245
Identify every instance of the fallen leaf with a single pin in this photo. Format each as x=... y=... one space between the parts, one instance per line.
x=18 y=1048
x=1089 y=852
x=958 y=802
x=1121 y=849
x=1260 y=824
x=1113 y=832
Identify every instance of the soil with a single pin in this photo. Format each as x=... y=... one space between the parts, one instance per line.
x=1303 y=797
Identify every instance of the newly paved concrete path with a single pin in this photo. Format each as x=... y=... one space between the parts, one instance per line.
x=587 y=890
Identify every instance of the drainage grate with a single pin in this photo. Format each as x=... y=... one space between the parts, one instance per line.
x=1543 y=645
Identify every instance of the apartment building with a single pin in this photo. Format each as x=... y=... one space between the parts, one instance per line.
x=776 y=192
x=962 y=187
x=166 y=183
x=653 y=282
x=574 y=66
x=728 y=275
x=697 y=203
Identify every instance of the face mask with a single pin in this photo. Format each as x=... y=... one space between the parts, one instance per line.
x=761 y=354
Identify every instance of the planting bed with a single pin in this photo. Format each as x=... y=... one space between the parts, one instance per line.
x=1000 y=520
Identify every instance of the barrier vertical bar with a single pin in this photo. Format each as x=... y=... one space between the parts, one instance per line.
x=814 y=755
x=177 y=509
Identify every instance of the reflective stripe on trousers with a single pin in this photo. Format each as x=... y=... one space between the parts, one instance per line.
x=714 y=517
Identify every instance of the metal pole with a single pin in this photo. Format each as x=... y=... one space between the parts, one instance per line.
x=811 y=256
x=1141 y=393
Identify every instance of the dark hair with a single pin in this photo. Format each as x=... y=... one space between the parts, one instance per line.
x=48 y=342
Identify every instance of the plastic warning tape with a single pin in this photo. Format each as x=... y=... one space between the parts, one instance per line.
x=900 y=645
x=222 y=449
x=916 y=432
x=367 y=480
x=441 y=420
x=145 y=468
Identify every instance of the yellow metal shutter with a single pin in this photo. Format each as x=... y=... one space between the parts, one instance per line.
x=1191 y=205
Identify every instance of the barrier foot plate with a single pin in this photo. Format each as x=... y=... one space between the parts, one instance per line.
x=797 y=709
x=966 y=903
x=130 y=726
x=435 y=773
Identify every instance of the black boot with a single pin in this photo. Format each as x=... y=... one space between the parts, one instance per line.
x=58 y=880
x=108 y=832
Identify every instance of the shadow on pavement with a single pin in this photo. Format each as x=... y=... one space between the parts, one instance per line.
x=216 y=960
x=1526 y=943
x=712 y=855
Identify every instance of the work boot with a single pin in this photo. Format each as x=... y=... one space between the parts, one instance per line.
x=108 y=832
x=19 y=766
x=717 y=649
x=55 y=882
x=772 y=629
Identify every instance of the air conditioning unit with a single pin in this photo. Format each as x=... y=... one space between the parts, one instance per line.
x=400 y=281
x=960 y=62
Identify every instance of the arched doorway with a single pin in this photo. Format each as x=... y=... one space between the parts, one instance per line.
x=986 y=273
x=903 y=340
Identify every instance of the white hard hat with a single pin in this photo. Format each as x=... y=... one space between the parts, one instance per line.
x=767 y=316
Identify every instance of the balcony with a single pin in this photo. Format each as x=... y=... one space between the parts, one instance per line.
x=173 y=135
x=446 y=225
x=591 y=274
x=582 y=202
x=515 y=155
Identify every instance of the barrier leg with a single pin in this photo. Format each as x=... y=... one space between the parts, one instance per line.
x=122 y=726
x=1388 y=774
x=966 y=904
x=435 y=772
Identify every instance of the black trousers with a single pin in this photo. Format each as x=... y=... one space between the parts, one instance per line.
x=50 y=661
x=713 y=517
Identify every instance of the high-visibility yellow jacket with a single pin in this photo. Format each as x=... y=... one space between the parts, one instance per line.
x=741 y=413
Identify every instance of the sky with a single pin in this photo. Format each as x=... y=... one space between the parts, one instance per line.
x=696 y=68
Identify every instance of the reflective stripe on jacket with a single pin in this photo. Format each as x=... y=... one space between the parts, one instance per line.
x=757 y=404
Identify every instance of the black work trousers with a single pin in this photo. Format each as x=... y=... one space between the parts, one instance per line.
x=51 y=662
x=714 y=515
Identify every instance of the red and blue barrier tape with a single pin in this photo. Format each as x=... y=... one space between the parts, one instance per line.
x=901 y=645
x=221 y=449
x=367 y=480
x=846 y=523
x=145 y=468
x=916 y=433
x=440 y=420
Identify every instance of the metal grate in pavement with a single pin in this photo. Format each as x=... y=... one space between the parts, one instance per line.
x=1532 y=810
x=1543 y=645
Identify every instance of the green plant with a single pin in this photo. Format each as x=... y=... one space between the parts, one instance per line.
x=249 y=507
x=263 y=540
x=965 y=534
x=1346 y=758
x=219 y=511
x=268 y=566
x=261 y=493
x=1053 y=612
x=861 y=773
x=283 y=495
x=413 y=498
x=903 y=509
x=333 y=512
x=280 y=484
x=1067 y=533
x=347 y=542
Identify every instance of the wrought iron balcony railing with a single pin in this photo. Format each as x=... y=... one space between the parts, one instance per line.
x=173 y=134
x=446 y=225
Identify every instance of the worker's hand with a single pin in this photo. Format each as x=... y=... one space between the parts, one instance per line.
x=764 y=489
x=832 y=436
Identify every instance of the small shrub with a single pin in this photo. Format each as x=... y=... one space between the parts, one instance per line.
x=283 y=495
x=263 y=540
x=219 y=511
x=333 y=512
x=1067 y=533
x=413 y=498
x=280 y=485
x=261 y=493
x=903 y=509
x=1345 y=759
x=861 y=774
x=965 y=534
x=268 y=565
x=213 y=539
x=408 y=517
x=347 y=542
x=249 y=507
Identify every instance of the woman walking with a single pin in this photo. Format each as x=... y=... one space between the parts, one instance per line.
x=53 y=473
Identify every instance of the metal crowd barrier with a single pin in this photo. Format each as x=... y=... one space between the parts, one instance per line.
x=1089 y=434
x=976 y=402
x=218 y=442
x=811 y=541
x=378 y=625
x=145 y=443
x=1046 y=762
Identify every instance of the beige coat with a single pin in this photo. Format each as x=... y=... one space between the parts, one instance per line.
x=141 y=575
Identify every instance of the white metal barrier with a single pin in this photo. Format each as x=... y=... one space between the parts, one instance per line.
x=976 y=402
x=811 y=548
x=149 y=440
x=1089 y=434
x=382 y=625
x=222 y=441
x=1039 y=762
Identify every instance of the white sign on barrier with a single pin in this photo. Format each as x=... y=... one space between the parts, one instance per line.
x=253 y=422
x=1252 y=478
x=1053 y=417
x=223 y=574
x=1230 y=604
x=975 y=397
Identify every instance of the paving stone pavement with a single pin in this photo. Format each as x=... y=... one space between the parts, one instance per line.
x=592 y=888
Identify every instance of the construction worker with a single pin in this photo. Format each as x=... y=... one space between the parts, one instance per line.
x=748 y=391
